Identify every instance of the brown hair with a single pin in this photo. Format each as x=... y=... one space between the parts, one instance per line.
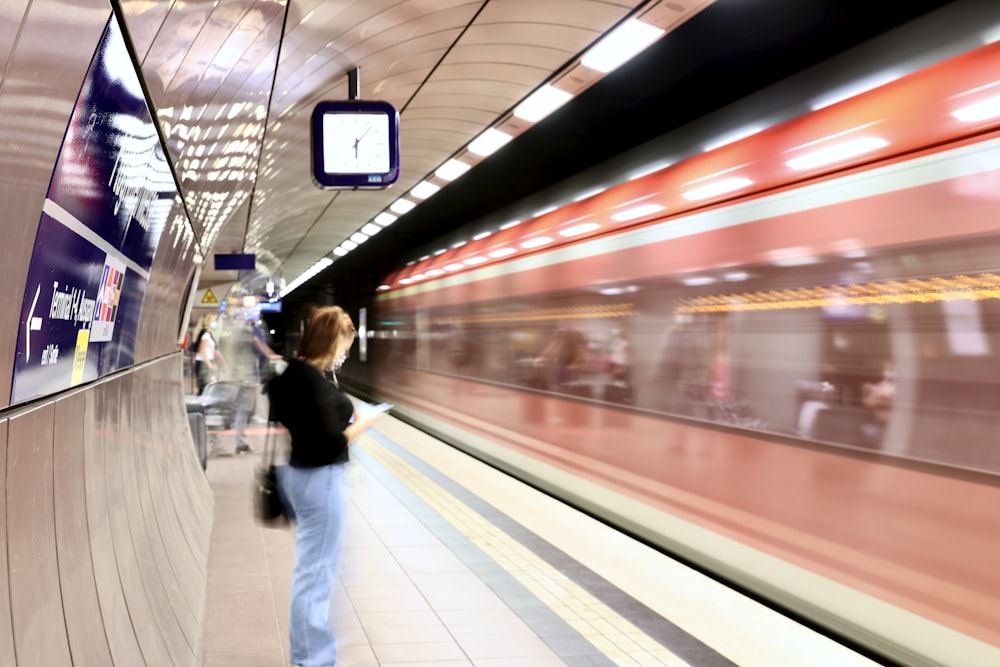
x=327 y=326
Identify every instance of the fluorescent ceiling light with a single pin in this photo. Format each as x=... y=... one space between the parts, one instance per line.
x=615 y=291
x=454 y=267
x=502 y=252
x=472 y=261
x=350 y=245
x=536 y=242
x=649 y=169
x=402 y=206
x=620 y=44
x=489 y=142
x=370 y=229
x=792 y=256
x=340 y=251
x=423 y=190
x=320 y=264
x=440 y=251
x=358 y=237
x=982 y=110
x=854 y=89
x=385 y=219
x=451 y=170
x=405 y=281
x=434 y=273
x=587 y=194
x=837 y=152
x=697 y=281
x=512 y=223
x=541 y=103
x=717 y=188
x=796 y=261
x=458 y=244
x=637 y=212
x=582 y=228
x=481 y=235
x=733 y=137
x=736 y=276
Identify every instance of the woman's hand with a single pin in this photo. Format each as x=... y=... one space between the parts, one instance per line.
x=360 y=425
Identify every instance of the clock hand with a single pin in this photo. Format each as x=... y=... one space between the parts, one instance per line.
x=358 y=140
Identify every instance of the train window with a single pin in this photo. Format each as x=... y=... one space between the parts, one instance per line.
x=874 y=352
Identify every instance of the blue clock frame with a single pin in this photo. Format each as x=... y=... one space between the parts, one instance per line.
x=332 y=180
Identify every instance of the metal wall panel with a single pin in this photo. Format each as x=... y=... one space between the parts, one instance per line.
x=181 y=574
x=6 y=625
x=100 y=428
x=11 y=15
x=144 y=20
x=142 y=526
x=116 y=417
x=35 y=596
x=185 y=492
x=84 y=624
x=169 y=277
x=180 y=583
x=143 y=510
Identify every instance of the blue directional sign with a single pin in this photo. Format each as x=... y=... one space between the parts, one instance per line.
x=106 y=207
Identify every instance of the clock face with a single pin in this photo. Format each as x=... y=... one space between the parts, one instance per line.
x=356 y=143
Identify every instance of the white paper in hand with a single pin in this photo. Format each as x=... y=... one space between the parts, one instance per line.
x=370 y=410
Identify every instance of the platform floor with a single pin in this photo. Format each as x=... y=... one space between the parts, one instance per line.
x=450 y=563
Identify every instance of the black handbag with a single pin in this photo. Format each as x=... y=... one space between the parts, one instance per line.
x=268 y=508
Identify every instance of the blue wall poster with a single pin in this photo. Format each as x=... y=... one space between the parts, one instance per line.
x=106 y=207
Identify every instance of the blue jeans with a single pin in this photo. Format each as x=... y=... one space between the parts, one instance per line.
x=316 y=501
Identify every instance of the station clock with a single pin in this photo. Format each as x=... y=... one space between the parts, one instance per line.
x=355 y=144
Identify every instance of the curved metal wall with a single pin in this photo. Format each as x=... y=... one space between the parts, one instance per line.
x=106 y=513
x=108 y=518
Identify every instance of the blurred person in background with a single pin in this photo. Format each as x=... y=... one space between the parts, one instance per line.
x=206 y=368
x=242 y=371
x=269 y=363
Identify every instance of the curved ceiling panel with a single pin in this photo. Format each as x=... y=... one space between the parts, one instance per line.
x=234 y=83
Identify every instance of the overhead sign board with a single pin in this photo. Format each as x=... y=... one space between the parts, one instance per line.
x=235 y=262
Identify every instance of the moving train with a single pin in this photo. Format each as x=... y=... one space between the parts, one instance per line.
x=778 y=358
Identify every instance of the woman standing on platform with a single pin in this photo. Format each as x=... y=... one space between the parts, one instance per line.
x=321 y=421
x=205 y=368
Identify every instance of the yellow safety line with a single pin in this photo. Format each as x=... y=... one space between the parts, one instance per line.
x=613 y=635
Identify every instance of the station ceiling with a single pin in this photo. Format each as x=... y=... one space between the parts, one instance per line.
x=234 y=83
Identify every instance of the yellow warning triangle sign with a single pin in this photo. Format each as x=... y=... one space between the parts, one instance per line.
x=209 y=297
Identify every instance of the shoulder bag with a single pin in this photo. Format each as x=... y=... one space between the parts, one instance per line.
x=268 y=508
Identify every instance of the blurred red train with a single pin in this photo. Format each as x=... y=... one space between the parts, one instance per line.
x=779 y=359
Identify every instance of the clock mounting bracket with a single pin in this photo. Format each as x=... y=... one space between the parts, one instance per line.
x=354 y=143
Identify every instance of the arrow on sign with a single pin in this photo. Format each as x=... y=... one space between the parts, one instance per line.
x=33 y=324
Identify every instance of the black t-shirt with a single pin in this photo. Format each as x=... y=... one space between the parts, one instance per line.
x=314 y=411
